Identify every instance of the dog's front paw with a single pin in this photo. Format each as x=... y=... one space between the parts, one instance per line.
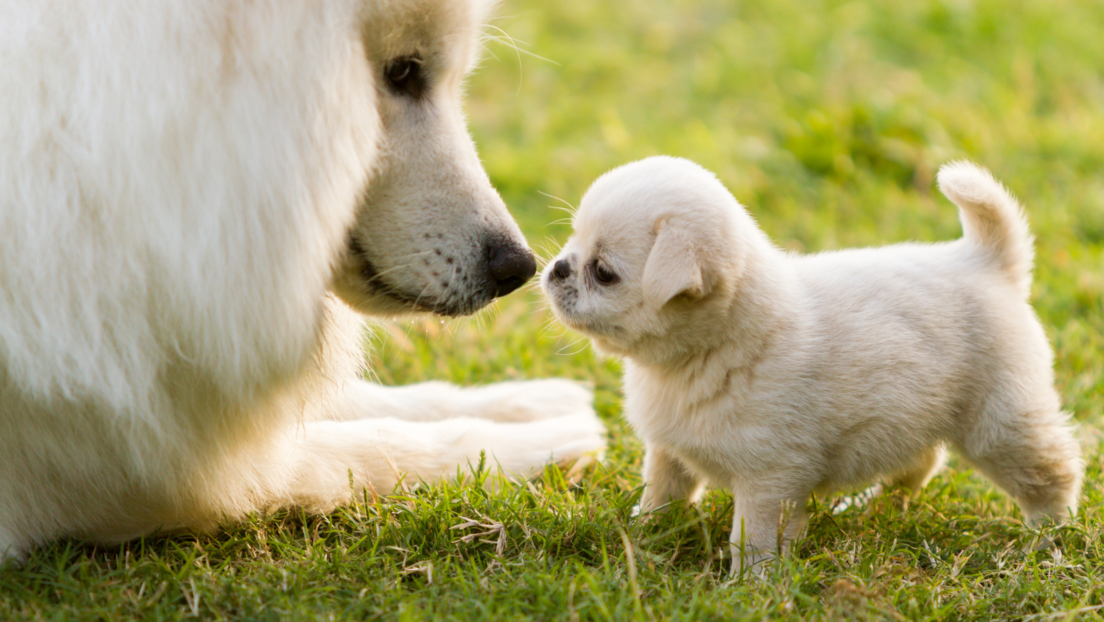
x=573 y=442
x=532 y=400
x=584 y=439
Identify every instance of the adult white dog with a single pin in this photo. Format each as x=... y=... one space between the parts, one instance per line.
x=182 y=185
x=776 y=375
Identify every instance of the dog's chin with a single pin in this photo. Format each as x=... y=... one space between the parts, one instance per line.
x=361 y=285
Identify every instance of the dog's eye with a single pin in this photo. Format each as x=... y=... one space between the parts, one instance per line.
x=604 y=275
x=404 y=75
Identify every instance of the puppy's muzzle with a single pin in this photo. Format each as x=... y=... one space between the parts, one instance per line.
x=561 y=270
x=509 y=265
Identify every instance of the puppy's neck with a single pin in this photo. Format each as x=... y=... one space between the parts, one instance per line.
x=734 y=326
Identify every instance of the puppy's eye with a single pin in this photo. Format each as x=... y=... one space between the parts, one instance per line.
x=604 y=275
x=404 y=75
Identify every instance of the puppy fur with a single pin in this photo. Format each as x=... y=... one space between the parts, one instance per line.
x=777 y=375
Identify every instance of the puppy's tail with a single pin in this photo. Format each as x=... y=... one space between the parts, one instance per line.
x=992 y=219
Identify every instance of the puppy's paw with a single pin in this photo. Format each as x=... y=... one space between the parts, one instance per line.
x=649 y=509
x=858 y=500
x=644 y=517
x=13 y=551
x=751 y=563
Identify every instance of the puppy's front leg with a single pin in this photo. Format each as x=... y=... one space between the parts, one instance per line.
x=763 y=526
x=666 y=479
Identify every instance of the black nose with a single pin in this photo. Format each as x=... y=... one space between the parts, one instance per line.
x=510 y=266
x=561 y=270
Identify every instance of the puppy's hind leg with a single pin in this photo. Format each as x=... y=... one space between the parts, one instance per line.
x=913 y=479
x=1034 y=457
x=927 y=465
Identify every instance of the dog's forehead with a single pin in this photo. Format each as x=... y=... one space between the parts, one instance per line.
x=420 y=26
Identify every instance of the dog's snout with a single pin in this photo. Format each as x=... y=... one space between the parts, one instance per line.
x=510 y=266
x=561 y=270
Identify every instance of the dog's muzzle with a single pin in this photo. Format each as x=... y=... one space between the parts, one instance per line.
x=509 y=265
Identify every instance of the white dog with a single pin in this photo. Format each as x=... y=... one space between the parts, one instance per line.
x=181 y=185
x=777 y=375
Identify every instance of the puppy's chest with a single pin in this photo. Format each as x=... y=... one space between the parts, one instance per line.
x=710 y=430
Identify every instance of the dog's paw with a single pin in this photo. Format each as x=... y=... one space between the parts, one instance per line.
x=582 y=438
x=573 y=442
x=531 y=400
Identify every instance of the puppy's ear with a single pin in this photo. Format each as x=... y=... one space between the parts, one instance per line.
x=671 y=268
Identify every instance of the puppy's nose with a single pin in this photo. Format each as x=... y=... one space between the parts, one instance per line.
x=510 y=265
x=561 y=270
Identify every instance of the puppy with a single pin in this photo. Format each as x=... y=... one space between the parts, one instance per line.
x=778 y=375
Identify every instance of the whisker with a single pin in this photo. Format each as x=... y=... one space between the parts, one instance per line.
x=511 y=42
x=546 y=250
x=570 y=209
x=552 y=326
x=400 y=266
x=560 y=352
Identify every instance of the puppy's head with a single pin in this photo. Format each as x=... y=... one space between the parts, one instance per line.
x=658 y=247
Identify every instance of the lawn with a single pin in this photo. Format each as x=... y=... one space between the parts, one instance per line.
x=828 y=121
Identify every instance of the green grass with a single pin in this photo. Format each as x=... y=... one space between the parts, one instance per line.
x=828 y=120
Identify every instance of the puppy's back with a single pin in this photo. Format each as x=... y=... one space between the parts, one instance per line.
x=948 y=323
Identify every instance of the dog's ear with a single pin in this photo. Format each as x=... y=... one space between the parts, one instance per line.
x=671 y=269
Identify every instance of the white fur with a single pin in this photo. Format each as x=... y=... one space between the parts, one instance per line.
x=181 y=184
x=776 y=375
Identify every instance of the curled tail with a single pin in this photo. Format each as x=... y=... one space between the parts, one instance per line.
x=992 y=219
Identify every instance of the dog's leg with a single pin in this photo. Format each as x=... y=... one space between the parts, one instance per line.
x=763 y=526
x=336 y=461
x=666 y=479
x=1032 y=456
x=525 y=400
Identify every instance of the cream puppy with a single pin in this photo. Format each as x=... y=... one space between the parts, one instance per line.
x=777 y=375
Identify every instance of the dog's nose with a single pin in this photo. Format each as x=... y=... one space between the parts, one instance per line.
x=510 y=265
x=561 y=270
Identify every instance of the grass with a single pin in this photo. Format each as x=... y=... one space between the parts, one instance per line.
x=828 y=120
